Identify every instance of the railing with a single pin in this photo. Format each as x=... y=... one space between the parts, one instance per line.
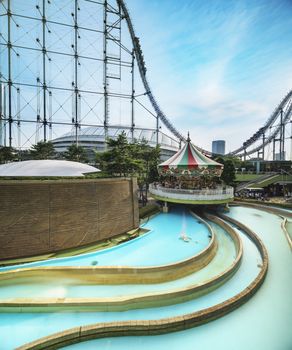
x=220 y=193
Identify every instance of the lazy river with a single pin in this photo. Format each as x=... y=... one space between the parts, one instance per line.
x=161 y=245
x=263 y=322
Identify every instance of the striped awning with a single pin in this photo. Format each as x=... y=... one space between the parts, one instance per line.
x=189 y=158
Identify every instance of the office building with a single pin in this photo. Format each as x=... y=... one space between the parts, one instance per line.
x=218 y=147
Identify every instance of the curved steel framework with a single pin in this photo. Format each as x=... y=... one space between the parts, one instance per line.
x=76 y=102
x=142 y=70
x=281 y=116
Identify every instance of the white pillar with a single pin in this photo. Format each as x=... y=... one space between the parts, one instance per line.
x=165 y=208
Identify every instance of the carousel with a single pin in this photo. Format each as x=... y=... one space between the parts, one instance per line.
x=190 y=177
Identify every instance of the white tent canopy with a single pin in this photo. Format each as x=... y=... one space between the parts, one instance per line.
x=46 y=168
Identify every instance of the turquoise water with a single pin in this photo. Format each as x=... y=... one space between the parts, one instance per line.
x=45 y=288
x=31 y=326
x=160 y=246
x=263 y=323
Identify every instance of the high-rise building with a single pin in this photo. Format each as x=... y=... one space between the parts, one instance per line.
x=218 y=147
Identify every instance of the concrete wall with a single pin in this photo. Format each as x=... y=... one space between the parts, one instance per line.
x=38 y=217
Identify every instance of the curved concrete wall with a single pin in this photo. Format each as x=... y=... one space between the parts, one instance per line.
x=38 y=217
x=122 y=274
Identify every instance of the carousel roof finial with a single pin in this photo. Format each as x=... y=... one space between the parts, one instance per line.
x=188 y=139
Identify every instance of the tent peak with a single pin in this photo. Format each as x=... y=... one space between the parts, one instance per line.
x=188 y=139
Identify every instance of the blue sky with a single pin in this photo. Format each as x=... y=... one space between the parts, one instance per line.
x=218 y=68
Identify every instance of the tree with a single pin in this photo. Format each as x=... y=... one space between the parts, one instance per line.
x=228 y=174
x=149 y=158
x=42 y=150
x=7 y=154
x=131 y=159
x=76 y=153
x=119 y=160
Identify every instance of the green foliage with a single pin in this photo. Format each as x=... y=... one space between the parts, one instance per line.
x=42 y=150
x=150 y=158
x=228 y=174
x=130 y=159
x=237 y=162
x=121 y=158
x=246 y=165
x=76 y=153
x=7 y=154
x=234 y=160
x=99 y=175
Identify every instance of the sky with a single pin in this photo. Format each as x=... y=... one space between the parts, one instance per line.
x=218 y=68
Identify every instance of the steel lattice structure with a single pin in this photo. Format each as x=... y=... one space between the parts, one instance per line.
x=62 y=66
x=65 y=65
x=273 y=132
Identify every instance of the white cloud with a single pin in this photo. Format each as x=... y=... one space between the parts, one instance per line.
x=192 y=71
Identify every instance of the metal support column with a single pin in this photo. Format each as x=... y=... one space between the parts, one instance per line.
x=1 y=102
x=132 y=96
x=105 y=79
x=38 y=121
x=9 y=45
x=5 y=115
x=44 y=72
x=274 y=148
x=50 y=116
x=290 y=140
x=18 y=120
x=157 y=130
x=1 y=114
x=263 y=151
x=76 y=92
x=281 y=134
x=283 y=141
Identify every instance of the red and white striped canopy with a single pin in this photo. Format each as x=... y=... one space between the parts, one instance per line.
x=190 y=160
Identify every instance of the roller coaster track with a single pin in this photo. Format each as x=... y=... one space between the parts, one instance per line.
x=241 y=151
x=286 y=102
x=142 y=70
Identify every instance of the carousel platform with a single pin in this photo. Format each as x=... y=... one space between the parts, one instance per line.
x=220 y=195
x=190 y=177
